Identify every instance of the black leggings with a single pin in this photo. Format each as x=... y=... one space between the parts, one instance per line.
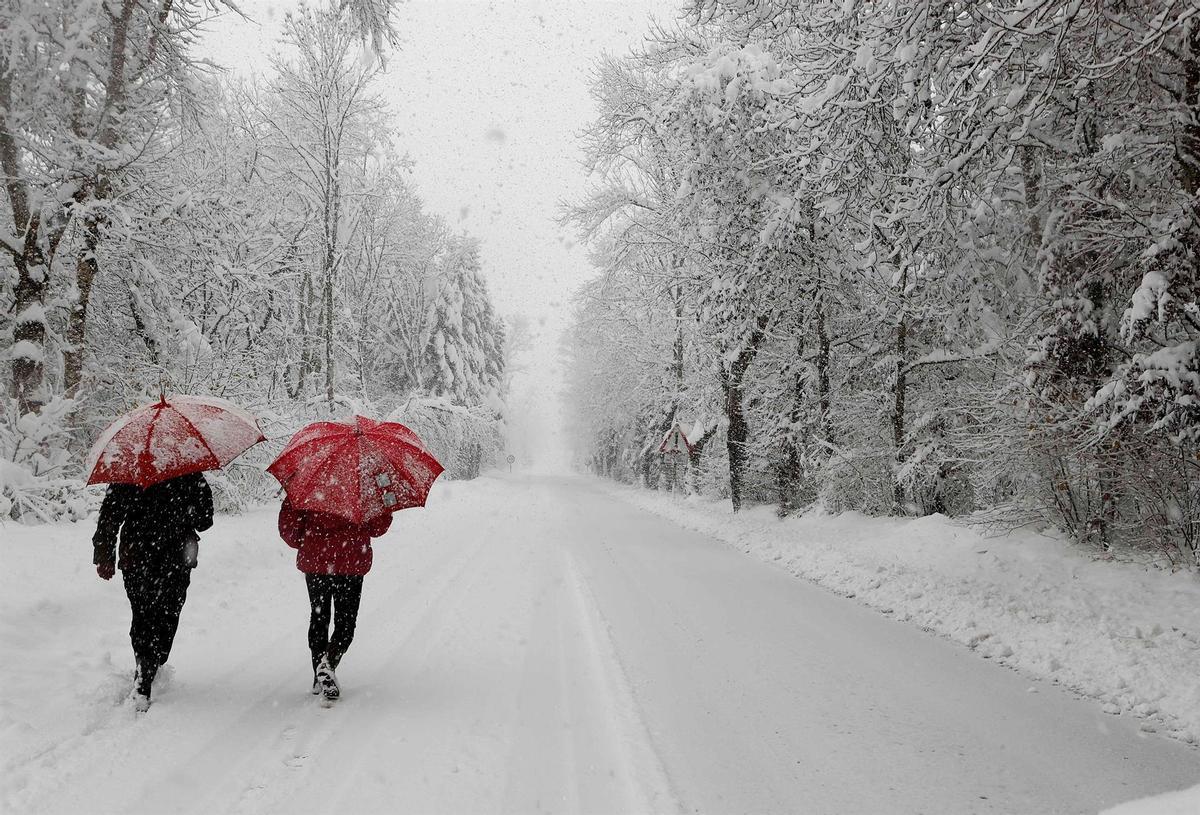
x=156 y=598
x=341 y=592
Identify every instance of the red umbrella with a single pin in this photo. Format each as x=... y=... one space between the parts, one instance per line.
x=359 y=469
x=174 y=436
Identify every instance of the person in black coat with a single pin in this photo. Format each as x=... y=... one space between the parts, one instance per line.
x=157 y=527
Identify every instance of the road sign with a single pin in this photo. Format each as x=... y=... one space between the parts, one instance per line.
x=675 y=441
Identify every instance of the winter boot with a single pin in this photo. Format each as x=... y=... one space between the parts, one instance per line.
x=327 y=680
x=143 y=677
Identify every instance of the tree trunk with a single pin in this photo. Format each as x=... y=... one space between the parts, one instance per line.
x=29 y=331
x=738 y=434
x=899 y=391
x=735 y=441
x=329 y=338
x=114 y=87
x=677 y=370
x=304 y=307
x=1187 y=152
x=789 y=468
x=1031 y=176
x=86 y=269
x=332 y=215
x=29 y=297
x=668 y=421
x=677 y=367
x=140 y=328
x=823 y=421
x=695 y=455
x=99 y=188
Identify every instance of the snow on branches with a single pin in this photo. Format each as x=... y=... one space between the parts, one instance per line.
x=933 y=258
x=259 y=240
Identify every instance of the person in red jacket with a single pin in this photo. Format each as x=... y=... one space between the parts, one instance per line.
x=334 y=554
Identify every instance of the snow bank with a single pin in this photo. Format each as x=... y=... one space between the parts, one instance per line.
x=1123 y=634
x=1184 y=802
x=66 y=630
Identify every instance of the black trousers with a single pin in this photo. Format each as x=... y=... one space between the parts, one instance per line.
x=341 y=594
x=156 y=598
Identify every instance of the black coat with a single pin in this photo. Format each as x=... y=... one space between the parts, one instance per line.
x=154 y=523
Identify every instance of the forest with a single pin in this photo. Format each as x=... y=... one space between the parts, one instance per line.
x=903 y=258
x=167 y=226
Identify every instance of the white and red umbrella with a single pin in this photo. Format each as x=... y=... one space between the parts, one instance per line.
x=174 y=436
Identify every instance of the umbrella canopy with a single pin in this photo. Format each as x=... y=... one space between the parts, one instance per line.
x=359 y=469
x=174 y=436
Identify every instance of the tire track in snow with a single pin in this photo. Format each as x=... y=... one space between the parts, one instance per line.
x=578 y=736
x=341 y=748
x=646 y=786
x=541 y=758
x=468 y=647
x=253 y=779
x=579 y=744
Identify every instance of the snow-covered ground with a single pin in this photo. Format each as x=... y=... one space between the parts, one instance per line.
x=1126 y=635
x=1183 y=802
x=532 y=645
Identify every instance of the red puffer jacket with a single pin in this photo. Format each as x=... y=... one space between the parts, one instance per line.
x=328 y=544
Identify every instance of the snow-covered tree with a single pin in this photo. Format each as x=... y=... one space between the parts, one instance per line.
x=463 y=355
x=942 y=255
x=236 y=238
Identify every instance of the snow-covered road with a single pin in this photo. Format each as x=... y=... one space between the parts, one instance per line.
x=531 y=645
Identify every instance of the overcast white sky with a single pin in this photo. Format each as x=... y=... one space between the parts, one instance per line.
x=488 y=100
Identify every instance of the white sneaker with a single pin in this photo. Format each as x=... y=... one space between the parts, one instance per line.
x=141 y=702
